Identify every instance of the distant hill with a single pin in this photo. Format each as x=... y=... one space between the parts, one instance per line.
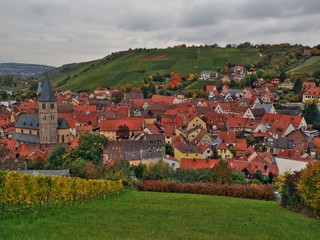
x=133 y=65
x=22 y=69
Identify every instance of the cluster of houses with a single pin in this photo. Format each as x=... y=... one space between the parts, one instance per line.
x=240 y=126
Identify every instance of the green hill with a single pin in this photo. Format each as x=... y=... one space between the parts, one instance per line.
x=309 y=66
x=132 y=65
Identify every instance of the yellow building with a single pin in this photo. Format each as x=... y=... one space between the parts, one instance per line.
x=224 y=152
x=196 y=122
x=183 y=150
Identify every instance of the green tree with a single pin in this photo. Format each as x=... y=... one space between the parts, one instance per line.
x=54 y=159
x=117 y=96
x=120 y=170
x=311 y=113
x=4 y=95
x=139 y=170
x=297 y=86
x=282 y=76
x=123 y=132
x=316 y=74
x=158 y=171
x=261 y=73
x=89 y=149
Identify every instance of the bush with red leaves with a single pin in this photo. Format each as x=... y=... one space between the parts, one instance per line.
x=260 y=192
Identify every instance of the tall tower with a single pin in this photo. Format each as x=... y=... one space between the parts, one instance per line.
x=48 y=114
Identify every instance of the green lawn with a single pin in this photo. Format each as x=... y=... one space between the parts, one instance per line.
x=149 y=215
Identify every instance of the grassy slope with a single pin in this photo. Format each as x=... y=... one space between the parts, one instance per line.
x=148 y=215
x=128 y=67
x=308 y=66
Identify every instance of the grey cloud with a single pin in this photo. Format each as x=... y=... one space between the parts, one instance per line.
x=57 y=32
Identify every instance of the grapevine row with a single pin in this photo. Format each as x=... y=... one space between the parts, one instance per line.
x=28 y=191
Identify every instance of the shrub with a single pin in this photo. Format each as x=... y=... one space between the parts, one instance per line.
x=192 y=175
x=261 y=192
x=289 y=195
x=158 y=171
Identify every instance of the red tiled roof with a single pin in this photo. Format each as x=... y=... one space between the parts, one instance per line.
x=203 y=147
x=135 y=124
x=199 y=136
x=228 y=137
x=122 y=112
x=211 y=88
x=316 y=143
x=312 y=91
x=271 y=118
x=279 y=127
x=308 y=85
x=86 y=109
x=241 y=144
x=83 y=128
x=237 y=122
x=164 y=99
x=198 y=163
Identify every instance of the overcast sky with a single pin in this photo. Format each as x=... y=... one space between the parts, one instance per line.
x=57 y=32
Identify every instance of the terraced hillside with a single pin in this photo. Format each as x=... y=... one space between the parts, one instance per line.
x=129 y=66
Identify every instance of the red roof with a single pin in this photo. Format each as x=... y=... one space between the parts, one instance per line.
x=84 y=128
x=135 y=124
x=86 y=109
x=237 y=122
x=228 y=137
x=313 y=91
x=163 y=99
x=123 y=112
x=271 y=118
x=308 y=85
x=198 y=163
x=241 y=144
x=211 y=88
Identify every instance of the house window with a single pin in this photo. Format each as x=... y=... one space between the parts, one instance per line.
x=43 y=106
x=52 y=105
x=173 y=164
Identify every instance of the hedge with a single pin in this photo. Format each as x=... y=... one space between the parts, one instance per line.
x=261 y=192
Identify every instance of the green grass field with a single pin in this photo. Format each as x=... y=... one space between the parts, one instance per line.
x=199 y=84
x=308 y=66
x=149 y=215
x=136 y=65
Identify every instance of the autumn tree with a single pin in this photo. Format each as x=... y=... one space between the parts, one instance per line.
x=222 y=173
x=123 y=132
x=309 y=183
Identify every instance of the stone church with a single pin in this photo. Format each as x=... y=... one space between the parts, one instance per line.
x=45 y=129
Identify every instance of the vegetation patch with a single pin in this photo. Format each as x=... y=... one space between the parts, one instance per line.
x=151 y=215
x=253 y=191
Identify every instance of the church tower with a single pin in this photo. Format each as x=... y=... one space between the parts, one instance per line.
x=48 y=114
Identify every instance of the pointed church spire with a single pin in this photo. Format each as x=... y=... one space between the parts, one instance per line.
x=47 y=93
